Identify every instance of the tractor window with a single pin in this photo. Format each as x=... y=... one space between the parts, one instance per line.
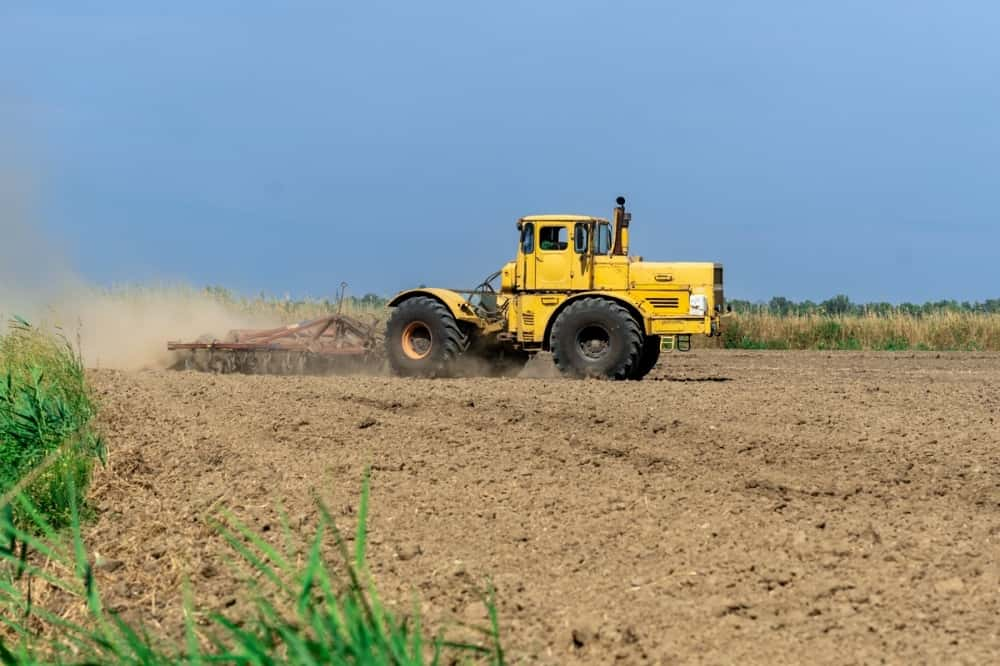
x=603 y=239
x=553 y=238
x=581 y=238
x=528 y=238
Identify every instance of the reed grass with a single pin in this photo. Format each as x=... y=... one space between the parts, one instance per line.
x=308 y=608
x=894 y=331
x=47 y=443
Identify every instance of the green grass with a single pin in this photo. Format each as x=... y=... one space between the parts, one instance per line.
x=47 y=443
x=307 y=609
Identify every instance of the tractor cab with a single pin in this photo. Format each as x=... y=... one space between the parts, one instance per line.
x=560 y=252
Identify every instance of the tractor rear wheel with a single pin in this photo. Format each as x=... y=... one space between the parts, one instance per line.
x=423 y=339
x=594 y=337
x=648 y=357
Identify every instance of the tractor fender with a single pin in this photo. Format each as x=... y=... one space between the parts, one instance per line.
x=624 y=302
x=455 y=302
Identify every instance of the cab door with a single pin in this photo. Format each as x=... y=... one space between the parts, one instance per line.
x=582 y=266
x=554 y=257
x=524 y=267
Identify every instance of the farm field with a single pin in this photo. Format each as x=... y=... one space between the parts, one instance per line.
x=754 y=506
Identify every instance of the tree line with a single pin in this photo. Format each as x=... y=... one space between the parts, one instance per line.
x=778 y=306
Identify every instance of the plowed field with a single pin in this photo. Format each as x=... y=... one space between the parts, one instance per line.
x=762 y=507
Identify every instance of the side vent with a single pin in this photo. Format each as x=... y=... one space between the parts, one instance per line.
x=528 y=319
x=664 y=303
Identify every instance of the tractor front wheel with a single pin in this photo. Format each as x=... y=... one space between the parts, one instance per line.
x=423 y=339
x=594 y=337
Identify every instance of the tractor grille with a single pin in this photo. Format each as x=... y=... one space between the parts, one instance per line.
x=664 y=303
x=528 y=319
x=720 y=300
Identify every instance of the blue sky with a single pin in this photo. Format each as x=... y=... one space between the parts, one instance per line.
x=813 y=148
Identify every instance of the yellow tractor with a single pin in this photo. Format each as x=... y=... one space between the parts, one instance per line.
x=574 y=291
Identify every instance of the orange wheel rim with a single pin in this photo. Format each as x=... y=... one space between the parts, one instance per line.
x=416 y=340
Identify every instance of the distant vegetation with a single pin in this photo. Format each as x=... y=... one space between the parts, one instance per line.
x=780 y=323
x=288 y=308
x=934 y=331
x=839 y=323
x=778 y=306
x=842 y=305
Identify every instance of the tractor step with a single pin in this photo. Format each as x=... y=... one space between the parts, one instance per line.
x=681 y=343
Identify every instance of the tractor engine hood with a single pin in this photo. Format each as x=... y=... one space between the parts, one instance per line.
x=699 y=284
x=674 y=275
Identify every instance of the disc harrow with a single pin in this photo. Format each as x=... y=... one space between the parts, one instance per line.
x=330 y=344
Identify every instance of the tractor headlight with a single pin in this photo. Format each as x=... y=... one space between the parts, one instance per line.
x=699 y=305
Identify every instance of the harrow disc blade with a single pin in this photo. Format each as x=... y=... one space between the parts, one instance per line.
x=277 y=362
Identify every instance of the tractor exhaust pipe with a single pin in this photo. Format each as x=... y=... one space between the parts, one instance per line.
x=621 y=221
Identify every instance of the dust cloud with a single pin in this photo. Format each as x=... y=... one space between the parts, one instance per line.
x=129 y=329
x=541 y=366
x=124 y=329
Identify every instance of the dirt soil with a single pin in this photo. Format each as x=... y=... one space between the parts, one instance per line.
x=755 y=507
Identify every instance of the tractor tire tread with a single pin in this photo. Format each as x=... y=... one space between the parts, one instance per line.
x=632 y=334
x=452 y=346
x=648 y=357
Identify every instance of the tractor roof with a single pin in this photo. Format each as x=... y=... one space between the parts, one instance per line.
x=561 y=218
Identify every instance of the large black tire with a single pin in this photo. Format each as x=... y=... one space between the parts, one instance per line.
x=648 y=357
x=594 y=337
x=423 y=339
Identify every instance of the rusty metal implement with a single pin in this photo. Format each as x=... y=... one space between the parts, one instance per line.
x=317 y=346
